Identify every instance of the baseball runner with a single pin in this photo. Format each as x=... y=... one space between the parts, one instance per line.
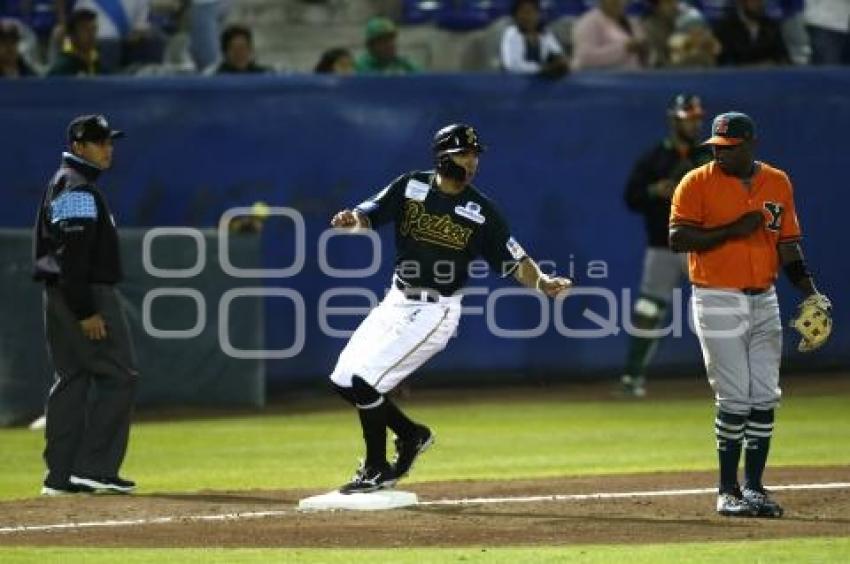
x=736 y=219
x=442 y=223
x=648 y=192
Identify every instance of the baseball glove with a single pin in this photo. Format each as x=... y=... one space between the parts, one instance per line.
x=813 y=322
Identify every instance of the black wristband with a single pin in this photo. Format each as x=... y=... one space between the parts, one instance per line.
x=797 y=271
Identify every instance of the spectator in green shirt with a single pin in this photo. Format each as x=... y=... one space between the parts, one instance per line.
x=381 y=56
x=79 y=54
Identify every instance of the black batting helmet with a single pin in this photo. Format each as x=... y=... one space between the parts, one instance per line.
x=684 y=106
x=455 y=138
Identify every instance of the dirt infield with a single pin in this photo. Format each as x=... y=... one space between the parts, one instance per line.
x=632 y=520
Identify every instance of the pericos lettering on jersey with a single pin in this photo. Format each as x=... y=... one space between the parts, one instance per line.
x=432 y=228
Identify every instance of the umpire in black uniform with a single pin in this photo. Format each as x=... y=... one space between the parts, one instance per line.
x=77 y=257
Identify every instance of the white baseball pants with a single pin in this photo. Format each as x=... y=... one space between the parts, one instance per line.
x=395 y=339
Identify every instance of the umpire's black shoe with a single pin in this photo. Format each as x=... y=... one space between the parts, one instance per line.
x=408 y=450
x=370 y=479
x=761 y=504
x=53 y=490
x=100 y=484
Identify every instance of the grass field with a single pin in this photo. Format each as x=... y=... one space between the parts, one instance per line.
x=486 y=440
x=791 y=551
x=491 y=439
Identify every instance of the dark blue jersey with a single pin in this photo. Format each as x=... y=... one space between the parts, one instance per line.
x=438 y=235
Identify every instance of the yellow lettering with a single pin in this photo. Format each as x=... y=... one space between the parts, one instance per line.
x=436 y=229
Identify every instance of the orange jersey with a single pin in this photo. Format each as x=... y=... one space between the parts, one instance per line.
x=707 y=197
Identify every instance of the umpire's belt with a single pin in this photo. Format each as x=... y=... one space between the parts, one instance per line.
x=419 y=294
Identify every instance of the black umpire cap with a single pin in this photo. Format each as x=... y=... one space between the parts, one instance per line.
x=92 y=128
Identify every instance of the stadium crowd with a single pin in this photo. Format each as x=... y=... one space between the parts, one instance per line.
x=546 y=37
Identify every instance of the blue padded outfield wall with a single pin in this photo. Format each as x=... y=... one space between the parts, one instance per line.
x=558 y=156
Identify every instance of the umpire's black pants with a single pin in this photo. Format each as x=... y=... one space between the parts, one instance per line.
x=90 y=403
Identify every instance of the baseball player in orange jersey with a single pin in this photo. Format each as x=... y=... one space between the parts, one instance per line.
x=736 y=218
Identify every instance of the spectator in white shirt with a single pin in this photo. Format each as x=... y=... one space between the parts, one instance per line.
x=828 y=22
x=528 y=47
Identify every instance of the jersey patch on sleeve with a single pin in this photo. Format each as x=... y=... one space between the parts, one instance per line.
x=416 y=190
x=515 y=249
x=73 y=205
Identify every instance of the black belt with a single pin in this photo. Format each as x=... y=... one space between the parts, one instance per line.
x=419 y=294
x=754 y=291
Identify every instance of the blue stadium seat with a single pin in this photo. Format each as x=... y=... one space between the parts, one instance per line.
x=552 y=9
x=415 y=12
x=638 y=8
x=791 y=7
x=462 y=15
x=713 y=9
x=555 y=9
x=500 y=8
x=472 y=14
x=776 y=9
x=781 y=9
x=38 y=15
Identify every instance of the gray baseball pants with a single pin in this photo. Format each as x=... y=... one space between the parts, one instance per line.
x=741 y=340
x=90 y=403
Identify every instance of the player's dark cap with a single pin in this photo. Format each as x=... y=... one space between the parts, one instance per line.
x=684 y=106
x=731 y=128
x=456 y=138
x=93 y=128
